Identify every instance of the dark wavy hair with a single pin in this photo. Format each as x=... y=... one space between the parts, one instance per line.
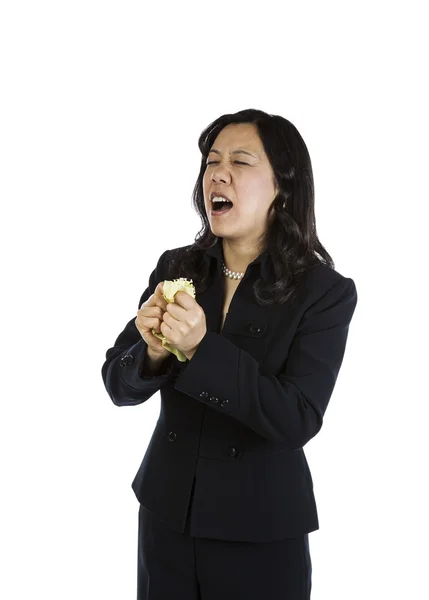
x=290 y=239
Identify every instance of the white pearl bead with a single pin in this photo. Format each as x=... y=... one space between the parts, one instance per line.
x=231 y=274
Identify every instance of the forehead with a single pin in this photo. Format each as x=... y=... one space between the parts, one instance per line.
x=236 y=138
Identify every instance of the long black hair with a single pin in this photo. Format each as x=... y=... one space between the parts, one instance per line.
x=290 y=238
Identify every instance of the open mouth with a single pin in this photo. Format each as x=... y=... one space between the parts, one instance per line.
x=219 y=208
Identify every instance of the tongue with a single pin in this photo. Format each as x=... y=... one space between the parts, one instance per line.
x=224 y=208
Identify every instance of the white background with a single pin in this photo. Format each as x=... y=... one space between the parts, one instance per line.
x=102 y=104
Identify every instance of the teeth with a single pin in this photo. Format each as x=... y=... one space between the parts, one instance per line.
x=219 y=199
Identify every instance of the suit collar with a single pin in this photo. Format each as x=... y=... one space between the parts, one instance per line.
x=216 y=252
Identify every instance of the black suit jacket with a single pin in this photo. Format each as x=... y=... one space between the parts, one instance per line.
x=237 y=415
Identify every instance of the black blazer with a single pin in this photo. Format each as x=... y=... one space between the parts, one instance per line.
x=237 y=415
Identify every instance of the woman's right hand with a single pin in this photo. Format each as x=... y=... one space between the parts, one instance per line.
x=150 y=316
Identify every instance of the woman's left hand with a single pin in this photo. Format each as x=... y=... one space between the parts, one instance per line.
x=184 y=323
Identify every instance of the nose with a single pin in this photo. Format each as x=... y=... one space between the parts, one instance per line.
x=220 y=174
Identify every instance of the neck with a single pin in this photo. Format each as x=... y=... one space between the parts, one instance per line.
x=238 y=257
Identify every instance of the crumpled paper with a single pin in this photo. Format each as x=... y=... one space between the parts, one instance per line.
x=170 y=289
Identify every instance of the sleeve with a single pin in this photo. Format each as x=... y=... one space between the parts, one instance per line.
x=287 y=408
x=121 y=371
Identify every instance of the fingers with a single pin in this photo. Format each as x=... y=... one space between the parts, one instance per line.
x=158 y=298
x=150 y=312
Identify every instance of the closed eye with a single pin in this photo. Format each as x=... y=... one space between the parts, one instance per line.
x=236 y=161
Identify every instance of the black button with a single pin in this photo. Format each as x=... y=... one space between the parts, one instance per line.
x=232 y=451
x=226 y=401
x=255 y=329
x=204 y=395
x=214 y=399
x=172 y=436
x=128 y=359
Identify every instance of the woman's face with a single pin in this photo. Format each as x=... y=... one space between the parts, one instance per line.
x=245 y=179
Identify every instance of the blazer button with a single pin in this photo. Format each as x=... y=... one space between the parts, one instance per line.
x=232 y=451
x=255 y=329
x=226 y=401
x=204 y=394
x=172 y=436
x=214 y=399
x=128 y=359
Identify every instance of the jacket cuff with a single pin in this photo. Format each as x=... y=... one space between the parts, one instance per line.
x=131 y=363
x=220 y=391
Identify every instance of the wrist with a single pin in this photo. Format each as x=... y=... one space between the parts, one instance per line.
x=153 y=362
x=154 y=355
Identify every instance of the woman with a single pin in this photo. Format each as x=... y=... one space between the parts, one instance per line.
x=225 y=492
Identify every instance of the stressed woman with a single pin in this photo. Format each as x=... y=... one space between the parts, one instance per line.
x=226 y=500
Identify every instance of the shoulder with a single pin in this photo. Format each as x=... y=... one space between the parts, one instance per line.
x=175 y=254
x=323 y=276
x=183 y=261
x=179 y=253
x=321 y=281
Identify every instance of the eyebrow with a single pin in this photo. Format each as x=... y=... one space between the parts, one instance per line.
x=238 y=151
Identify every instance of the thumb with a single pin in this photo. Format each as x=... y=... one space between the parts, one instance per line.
x=160 y=288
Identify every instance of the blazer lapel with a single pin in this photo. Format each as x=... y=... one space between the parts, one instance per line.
x=246 y=322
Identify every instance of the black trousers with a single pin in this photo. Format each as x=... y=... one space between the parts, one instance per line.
x=175 y=566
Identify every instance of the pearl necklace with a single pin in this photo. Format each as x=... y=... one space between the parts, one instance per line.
x=231 y=274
